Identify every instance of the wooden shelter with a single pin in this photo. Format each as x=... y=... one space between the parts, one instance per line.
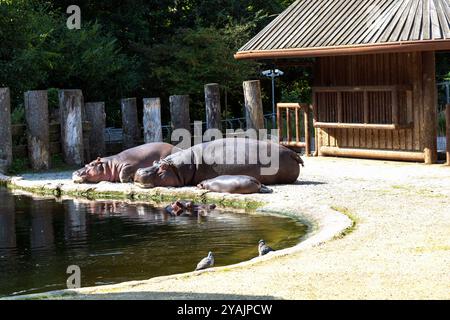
x=374 y=93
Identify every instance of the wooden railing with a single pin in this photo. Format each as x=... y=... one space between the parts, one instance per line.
x=364 y=107
x=294 y=137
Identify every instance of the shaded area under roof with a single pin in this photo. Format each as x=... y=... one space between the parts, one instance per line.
x=311 y=28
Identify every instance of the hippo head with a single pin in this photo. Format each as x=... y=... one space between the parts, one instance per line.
x=91 y=173
x=161 y=174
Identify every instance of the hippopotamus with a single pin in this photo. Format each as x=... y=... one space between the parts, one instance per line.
x=180 y=207
x=234 y=184
x=122 y=167
x=268 y=162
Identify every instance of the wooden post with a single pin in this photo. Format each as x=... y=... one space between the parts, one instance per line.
x=5 y=130
x=130 y=124
x=95 y=114
x=253 y=105
x=447 y=118
x=212 y=104
x=38 y=130
x=71 y=120
x=430 y=107
x=307 y=136
x=152 y=120
x=179 y=112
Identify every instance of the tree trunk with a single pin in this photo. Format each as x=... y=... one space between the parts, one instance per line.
x=253 y=105
x=179 y=112
x=95 y=114
x=36 y=114
x=70 y=109
x=5 y=130
x=213 y=109
x=130 y=124
x=430 y=107
x=152 y=120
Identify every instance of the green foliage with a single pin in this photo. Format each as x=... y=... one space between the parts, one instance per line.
x=18 y=165
x=297 y=91
x=18 y=115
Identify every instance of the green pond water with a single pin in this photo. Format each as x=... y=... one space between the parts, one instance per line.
x=113 y=241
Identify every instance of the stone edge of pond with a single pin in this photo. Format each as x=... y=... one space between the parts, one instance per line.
x=324 y=224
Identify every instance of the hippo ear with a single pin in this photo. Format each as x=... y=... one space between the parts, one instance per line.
x=164 y=166
x=99 y=159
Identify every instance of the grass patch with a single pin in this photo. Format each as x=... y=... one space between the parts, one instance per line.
x=351 y=216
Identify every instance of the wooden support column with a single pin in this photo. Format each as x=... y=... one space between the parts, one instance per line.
x=253 y=105
x=152 y=120
x=447 y=118
x=70 y=105
x=5 y=130
x=307 y=137
x=130 y=124
x=179 y=112
x=430 y=107
x=95 y=114
x=213 y=108
x=36 y=115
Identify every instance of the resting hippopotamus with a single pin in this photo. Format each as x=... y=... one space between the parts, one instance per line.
x=122 y=167
x=180 y=207
x=268 y=162
x=234 y=184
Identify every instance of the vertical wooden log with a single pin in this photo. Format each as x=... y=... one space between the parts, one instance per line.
x=95 y=114
x=212 y=104
x=152 y=120
x=340 y=111
x=366 y=107
x=430 y=107
x=447 y=118
x=307 y=136
x=395 y=114
x=5 y=130
x=179 y=112
x=36 y=115
x=253 y=105
x=70 y=105
x=279 y=124
x=130 y=124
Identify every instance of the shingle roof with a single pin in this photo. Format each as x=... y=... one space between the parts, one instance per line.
x=324 y=27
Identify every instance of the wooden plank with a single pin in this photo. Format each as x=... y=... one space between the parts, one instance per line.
x=373 y=154
x=307 y=137
x=288 y=124
x=335 y=125
x=447 y=117
x=430 y=107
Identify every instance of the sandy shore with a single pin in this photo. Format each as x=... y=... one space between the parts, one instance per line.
x=399 y=249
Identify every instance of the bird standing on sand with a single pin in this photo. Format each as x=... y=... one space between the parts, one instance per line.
x=263 y=248
x=207 y=262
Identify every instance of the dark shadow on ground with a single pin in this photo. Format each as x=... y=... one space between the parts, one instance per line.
x=148 y=295
x=308 y=183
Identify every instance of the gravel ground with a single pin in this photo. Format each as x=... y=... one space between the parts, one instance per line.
x=399 y=249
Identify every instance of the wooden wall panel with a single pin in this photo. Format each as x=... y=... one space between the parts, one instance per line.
x=367 y=70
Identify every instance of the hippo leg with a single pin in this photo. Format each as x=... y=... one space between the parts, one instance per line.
x=127 y=174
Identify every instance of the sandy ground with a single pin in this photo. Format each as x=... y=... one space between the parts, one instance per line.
x=399 y=249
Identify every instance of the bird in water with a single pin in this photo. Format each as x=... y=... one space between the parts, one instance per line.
x=207 y=262
x=263 y=248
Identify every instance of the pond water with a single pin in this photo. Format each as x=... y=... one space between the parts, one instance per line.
x=113 y=241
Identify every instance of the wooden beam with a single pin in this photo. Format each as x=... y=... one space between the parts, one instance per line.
x=447 y=117
x=335 y=125
x=253 y=105
x=307 y=136
x=391 y=47
x=430 y=107
x=373 y=154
